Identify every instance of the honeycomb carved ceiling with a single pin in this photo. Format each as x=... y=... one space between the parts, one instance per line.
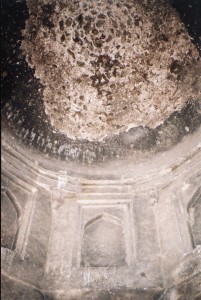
x=37 y=110
x=108 y=66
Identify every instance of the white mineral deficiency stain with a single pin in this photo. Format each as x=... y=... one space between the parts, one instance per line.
x=110 y=65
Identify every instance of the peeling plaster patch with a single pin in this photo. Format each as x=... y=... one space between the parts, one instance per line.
x=109 y=65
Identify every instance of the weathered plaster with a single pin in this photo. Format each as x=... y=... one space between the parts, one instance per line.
x=108 y=66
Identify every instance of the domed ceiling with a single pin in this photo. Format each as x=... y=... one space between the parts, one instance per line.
x=93 y=80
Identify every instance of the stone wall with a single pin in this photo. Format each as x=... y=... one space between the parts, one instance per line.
x=78 y=236
x=26 y=220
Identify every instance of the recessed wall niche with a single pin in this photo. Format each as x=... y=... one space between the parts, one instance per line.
x=103 y=242
x=10 y=219
x=17 y=206
x=105 y=237
x=194 y=211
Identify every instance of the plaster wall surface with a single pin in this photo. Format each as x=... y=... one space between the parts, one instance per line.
x=87 y=237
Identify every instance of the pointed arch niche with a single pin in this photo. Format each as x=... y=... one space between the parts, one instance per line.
x=16 y=218
x=194 y=211
x=10 y=219
x=103 y=242
x=104 y=234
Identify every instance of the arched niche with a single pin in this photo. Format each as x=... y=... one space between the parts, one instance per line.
x=10 y=219
x=103 y=242
x=194 y=211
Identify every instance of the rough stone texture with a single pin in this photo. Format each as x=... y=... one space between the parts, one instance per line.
x=187 y=278
x=108 y=66
x=12 y=289
x=24 y=114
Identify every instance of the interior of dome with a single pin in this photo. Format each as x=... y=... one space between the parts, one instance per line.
x=101 y=150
